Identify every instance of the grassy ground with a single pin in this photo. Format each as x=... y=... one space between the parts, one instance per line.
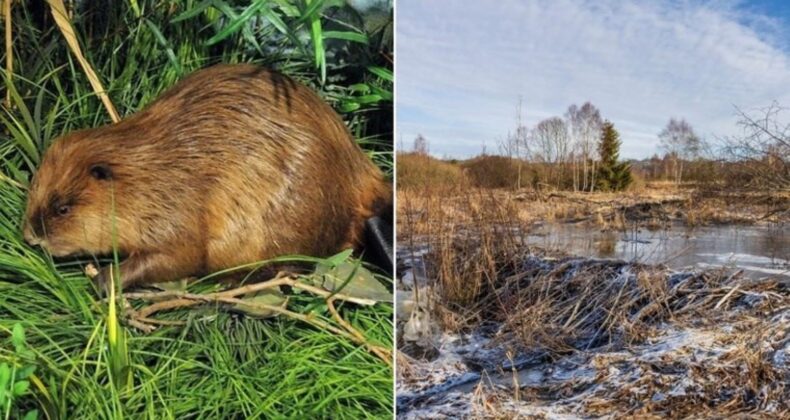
x=75 y=360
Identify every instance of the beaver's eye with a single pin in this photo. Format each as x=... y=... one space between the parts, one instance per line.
x=64 y=210
x=101 y=171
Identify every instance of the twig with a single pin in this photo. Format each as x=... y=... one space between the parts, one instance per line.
x=727 y=296
x=178 y=299
x=144 y=327
x=168 y=304
x=381 y=352
x=277 y=282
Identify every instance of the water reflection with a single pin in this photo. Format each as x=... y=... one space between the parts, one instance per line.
x=758 y=250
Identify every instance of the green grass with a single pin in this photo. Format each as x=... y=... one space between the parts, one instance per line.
x=219 y=364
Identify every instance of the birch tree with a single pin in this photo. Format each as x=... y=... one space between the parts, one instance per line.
x=585 y=124
x=681 y=144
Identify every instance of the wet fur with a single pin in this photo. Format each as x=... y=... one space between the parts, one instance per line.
x=232 y=165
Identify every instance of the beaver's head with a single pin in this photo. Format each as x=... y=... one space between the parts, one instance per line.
x=70 y=202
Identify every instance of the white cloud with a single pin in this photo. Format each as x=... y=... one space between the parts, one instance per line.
x=462 y=66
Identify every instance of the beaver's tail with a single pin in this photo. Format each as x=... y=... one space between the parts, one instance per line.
x=376 y=241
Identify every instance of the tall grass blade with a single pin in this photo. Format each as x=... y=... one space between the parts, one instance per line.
x=316 y=33
x=237 y=22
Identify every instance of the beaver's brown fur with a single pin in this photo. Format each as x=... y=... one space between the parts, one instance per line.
x=233 y=165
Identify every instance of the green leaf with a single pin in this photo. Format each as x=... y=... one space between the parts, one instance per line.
x=311 y=10
x=31 y=415
x=287 y=8
x=319 y=308
x=246 y=32
x=24 y=372
x=237 y=22
x=277 y=22
x=368 y=99
x=193 y=11
x=338 y=258
x=18 y=336
x=349 y=106
x=385 y=94
x=360 y=87
x=21 y=387
x=176 y=286
x=353 y=280
x=266 y=297
x=318 y=44
x=25 y=353
x=135 y=8
x=347 y=35
x=381 y=72
x=5 y=375
x=171 y=55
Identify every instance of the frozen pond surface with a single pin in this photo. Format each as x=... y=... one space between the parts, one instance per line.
x=761 y=251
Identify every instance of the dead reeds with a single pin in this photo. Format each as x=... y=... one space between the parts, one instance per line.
x=658 y=343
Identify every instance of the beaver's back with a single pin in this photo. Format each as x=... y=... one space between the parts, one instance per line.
x=246 y=162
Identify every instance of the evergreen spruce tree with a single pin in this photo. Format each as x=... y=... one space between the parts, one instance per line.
x=612 y=175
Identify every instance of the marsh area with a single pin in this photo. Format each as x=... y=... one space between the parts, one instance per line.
x=586 y=321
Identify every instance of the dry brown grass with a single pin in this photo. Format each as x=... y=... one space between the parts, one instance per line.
x=553 y=308
x=732 y=375
x=652 y=209
x=417 y=171
x=557 y=307
x=469 y=231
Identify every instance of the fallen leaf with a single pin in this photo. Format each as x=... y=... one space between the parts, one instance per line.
x=266 y=297
x=172 y=286
x=351 y=279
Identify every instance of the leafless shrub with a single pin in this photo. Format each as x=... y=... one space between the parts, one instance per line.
x=760 y=157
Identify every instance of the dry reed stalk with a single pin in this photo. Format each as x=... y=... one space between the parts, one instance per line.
x=64 y=24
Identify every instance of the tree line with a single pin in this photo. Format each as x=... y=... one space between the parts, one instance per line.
x=580 y=152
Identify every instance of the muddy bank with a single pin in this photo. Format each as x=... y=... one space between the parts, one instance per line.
x=575 y=337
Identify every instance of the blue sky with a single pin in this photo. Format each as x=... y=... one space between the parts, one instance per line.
x=462 y=66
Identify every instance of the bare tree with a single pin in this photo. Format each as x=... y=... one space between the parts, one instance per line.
x=760 y=157
x=551 y=139
x=681 y=143
x=521 y=142
x=421 y=145
x=573 y=116
x=516 y=145
x=585 y=128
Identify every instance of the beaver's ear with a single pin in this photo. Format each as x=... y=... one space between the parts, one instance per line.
x=101 y=171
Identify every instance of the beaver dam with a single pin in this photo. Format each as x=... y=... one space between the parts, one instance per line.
x=487 y=331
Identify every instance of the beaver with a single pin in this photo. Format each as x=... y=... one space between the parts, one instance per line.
x=232 y=165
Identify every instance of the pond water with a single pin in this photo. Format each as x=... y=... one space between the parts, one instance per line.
x=761 y=251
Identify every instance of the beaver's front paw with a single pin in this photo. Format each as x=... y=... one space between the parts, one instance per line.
x=101 y=278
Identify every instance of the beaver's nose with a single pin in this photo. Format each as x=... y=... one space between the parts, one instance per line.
x=29 y=236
